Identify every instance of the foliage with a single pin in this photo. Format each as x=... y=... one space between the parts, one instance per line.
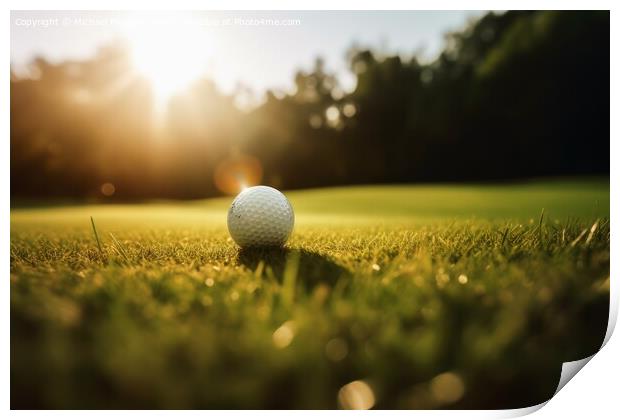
x=515 y=94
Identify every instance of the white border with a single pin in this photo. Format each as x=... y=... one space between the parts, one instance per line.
x=594 y=393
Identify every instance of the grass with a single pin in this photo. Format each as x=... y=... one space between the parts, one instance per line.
x=386 y=297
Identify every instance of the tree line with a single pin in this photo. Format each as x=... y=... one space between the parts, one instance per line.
x=515 y=94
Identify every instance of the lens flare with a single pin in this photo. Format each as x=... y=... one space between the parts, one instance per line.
x=237 y=173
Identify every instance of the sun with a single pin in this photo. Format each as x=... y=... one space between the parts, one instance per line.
x=170 y=58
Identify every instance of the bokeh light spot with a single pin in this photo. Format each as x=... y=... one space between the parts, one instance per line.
x=332 y=114
x=108 y=189
x=315 y=121
x=356 y=395
x=447 y=387
x=336 y=349
x=284 y=335
x=349 y=110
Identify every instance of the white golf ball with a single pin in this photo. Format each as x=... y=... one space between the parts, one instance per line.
x=260 y=216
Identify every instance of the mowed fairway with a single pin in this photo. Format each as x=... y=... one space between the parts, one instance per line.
x=386 y=297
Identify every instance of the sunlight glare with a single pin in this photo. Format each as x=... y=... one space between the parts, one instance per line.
x=168 y=57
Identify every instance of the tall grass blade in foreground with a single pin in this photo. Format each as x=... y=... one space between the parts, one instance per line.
x=101 y=254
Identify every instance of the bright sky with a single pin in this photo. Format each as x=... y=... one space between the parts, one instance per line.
x=228 y=46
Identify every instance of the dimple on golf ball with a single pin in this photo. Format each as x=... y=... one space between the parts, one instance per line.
x=260 y=216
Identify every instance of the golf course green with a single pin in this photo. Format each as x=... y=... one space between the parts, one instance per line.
x=424 y=296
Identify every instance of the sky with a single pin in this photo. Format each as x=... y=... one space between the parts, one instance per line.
x=260 y=50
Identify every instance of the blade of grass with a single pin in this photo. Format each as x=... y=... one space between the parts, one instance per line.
x=541 y=234
x=101 y=254
x=581 y=235
x=592 y=231
x=504 y=236
x=119 y=248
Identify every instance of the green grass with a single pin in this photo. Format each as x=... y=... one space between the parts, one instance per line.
x=426 y=296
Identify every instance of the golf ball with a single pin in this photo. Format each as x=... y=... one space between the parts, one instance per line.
x=260 y=216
